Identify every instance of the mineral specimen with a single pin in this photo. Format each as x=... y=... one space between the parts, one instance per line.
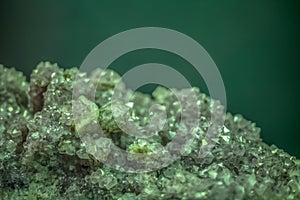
x=42 y=155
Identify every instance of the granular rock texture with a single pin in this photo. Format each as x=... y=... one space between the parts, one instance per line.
x=42 y=155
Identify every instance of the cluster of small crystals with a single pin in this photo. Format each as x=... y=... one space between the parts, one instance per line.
x=43 y=157
x=13 y=130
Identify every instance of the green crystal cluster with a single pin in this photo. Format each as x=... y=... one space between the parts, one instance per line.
x=42 y=155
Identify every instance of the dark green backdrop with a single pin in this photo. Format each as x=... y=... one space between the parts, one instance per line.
x=254 y=43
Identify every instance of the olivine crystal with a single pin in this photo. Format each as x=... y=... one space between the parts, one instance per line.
x=42 y=155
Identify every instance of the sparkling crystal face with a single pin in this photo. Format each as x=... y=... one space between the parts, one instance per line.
x=42 y=155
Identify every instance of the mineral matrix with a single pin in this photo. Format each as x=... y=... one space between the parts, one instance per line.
x=42 y=156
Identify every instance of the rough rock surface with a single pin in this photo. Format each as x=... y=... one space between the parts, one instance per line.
x=43 y=157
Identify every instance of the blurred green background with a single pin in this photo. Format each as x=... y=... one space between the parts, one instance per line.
x=255 y=45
